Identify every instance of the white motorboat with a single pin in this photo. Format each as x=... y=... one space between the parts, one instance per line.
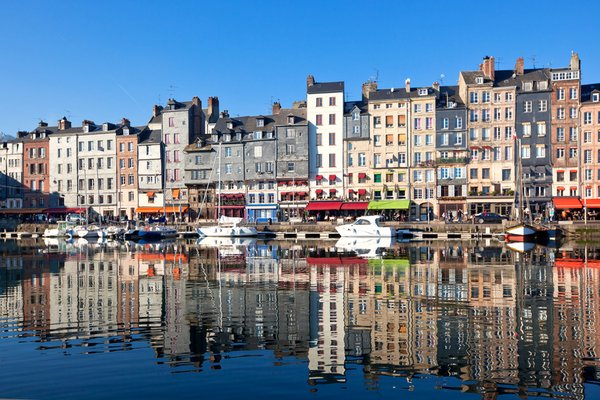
x=89 y=232
x=63 y=229
x=367 y=226
x=227 y=227
x=365 y=247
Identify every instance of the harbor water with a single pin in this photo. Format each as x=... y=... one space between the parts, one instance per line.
x=248 y=318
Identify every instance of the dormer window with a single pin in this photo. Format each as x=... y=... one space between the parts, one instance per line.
x=227 y=138
x=528 y=86
x=229 y=125
x=126 y=130
x=258 y=135
x=451 y=104
x=238 y=136
x=355 y=116
x=542 y=85
x=422 y=92
x=270 y=135
x=595 y=97
x=86 y=129
x=479 y=80
x=105 y=127
x=291 y=119
x=260 y=122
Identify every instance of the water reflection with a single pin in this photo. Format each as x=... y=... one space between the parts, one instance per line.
x=499 y=321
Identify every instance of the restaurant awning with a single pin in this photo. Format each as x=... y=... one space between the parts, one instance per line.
x=319 y=177
x=65 y=210
x=355 y=205
x=362 y=191
x=324 y=206
x=150 y=194
x=389 y=205
x=362 y=175
x=167 y=209
x=350 y=191
x=567 y=203
x=332 y=177
x=319 y=191
x=22 y=210
x=591 y=203
x=332 y=190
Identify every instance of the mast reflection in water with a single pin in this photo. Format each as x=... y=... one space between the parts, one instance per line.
x=251 y=318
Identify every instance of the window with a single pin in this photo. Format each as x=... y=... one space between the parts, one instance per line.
x=525 y=152
x=376 y=140
x=473 y=116
x=573 y=134
x=560 y=94
x=497 y=114
x=508 y=113
x=473 y=134
x=573 y=152
x=527 y=106
x=595 y=97
x=319 y=120
x=506 y=174
x=587 y=156
x=258 y=153
x=417 y=108
x=474 y=97
x=291 y=166
x=331 y=119
x=319 y=102
x=362 y=159
x=526 y=129
x=428 y=123
x=541 y=128
x=573 y=176
x=290 y=149
x=429 y=107
x=540 y=150
x=332 y=160
x=587 y=118
x=473 y=173
x=543 y=106
x=376 y=122
x=573 y=112
x=332 y=101
x=485 y=97
x=356 y=129
x=355 y=116
x=130 y=160
x=587 y=137
x=445 y=123
x=560 y=153
x=417 y=123
x=319 y=160
x=573 y=93
x=445 y=139
x=560 y=134
x=389 y=121
x=90 y=145
x=377 y=160
x=332 y=139
x=485 y=173
x=475 y=154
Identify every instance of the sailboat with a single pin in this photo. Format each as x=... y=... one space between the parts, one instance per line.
x=524 y=231
x=226 y=226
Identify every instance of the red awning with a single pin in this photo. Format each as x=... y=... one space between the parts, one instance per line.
x=560 y=188
x=567 y=203
x=281 y=183
x=362 y=191
x=350 y=191
x=284 y=193
x=332 y=177
x=67 y=210
x=573 y=188
x=560 y=170
x=592 y=203
x=356 y=205
x=291 y=183
x=319 y=177
x=362 y=175
x=319 y=191
x=324 y=206
x=332 y=190
x=301 y=194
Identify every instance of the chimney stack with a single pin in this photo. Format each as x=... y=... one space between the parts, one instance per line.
x=224 y=114
x=407 y=85
x=196 y=101
x=488 y=67
x=519 y=66
x=367 y=88
x=156 y=110
x=310 y=81
x=63 y=124
x=213 y=106
x=575 y=63
x=436 y=86
x=125 y=122
x=42 y=124
x=276 y=108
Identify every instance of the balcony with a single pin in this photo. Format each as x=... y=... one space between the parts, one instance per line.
x=454 y=160
x=427 y=163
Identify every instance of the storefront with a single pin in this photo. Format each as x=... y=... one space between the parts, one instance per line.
x=499 y=205
x=354 y=209
x=566 y=209
x=323 y=210
x=392 y=210
x=592 y=207
x=262 y=213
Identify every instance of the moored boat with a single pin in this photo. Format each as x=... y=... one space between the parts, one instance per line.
x=367 y=226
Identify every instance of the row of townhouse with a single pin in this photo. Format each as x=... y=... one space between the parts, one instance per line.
x=418 y=152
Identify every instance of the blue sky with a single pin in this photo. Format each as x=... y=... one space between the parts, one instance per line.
x=104 y=60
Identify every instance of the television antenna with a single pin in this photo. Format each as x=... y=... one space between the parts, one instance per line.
x=442 y=76
x=172 y=91
x=532 y=59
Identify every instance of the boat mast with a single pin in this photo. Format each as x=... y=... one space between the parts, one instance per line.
x=219 y=183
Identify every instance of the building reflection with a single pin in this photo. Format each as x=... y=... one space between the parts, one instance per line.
x=503 y=322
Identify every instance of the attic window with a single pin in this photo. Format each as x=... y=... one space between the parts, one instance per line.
x=227 y=138
x=291 y=119
x=126 y=130
x=595 y=97
x=258 y=135
x=451 y=104
x=86 y=129
x=230 y=125
x=105 y=127
x=422 y=92
x=542 y=85
x=528 y=86
x=260 y=122
x=479 y=80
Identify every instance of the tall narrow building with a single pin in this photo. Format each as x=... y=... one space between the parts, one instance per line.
x=325 y=111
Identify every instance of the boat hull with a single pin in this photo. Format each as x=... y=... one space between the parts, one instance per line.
x=221 y=231
x=522 y=230
x=351 y=231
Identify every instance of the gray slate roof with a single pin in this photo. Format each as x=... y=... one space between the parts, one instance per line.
x=326 y=87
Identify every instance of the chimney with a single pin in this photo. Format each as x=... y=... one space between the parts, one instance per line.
x=156 y=110
x=367 y=88
x=276 y=107
x=42 y=124
x=575 y=64
x=407 y=85
x=487 y=67
x=63 y=124
x=310 y=81
x=196 y=101
x=125 y=122
x=519 y=66
x=213 y=106
x=436 y=86
x=224 y=114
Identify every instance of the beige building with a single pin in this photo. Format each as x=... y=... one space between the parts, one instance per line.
x=490 y=97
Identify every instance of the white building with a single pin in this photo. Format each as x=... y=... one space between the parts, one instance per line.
x=150 y=168
x=11 y=168
x=63 y=162
x=325 y=109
